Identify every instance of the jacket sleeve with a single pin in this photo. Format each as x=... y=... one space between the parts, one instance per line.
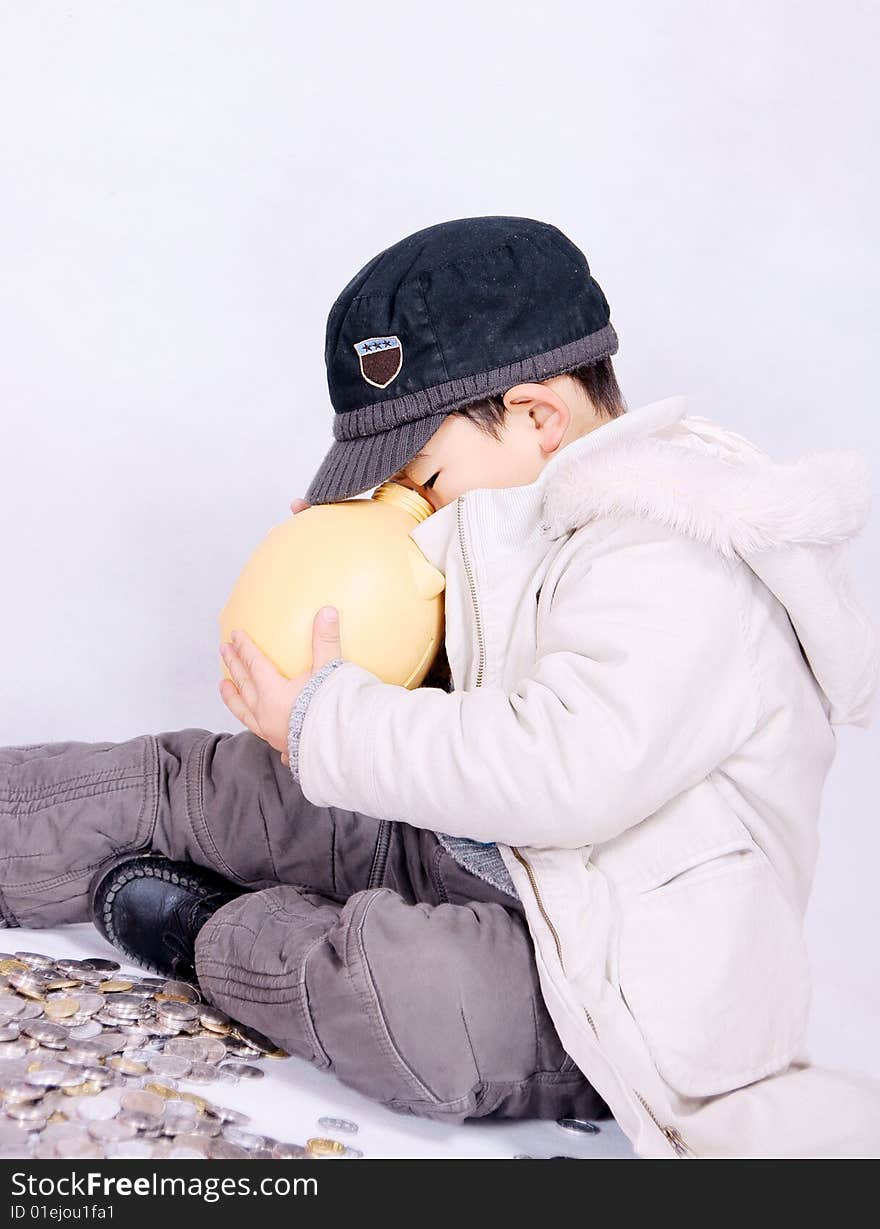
x=643 y=684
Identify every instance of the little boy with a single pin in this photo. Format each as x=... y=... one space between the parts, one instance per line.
x=587 y=848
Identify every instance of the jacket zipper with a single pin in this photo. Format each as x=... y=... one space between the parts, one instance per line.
x=380 y=855
x=467 y=567
x=671 y=1134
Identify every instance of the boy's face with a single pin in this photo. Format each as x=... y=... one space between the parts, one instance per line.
x=461 y=456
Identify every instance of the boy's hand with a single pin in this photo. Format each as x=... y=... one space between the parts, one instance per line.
x=261 y=697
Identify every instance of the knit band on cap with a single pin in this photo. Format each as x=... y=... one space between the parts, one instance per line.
x=452 y=394
x=374 y=442
x=353 y=466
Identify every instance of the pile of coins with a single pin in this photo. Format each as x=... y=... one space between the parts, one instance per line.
x=91 y=1066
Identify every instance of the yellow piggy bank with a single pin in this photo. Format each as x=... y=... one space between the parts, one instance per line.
x=356 y=555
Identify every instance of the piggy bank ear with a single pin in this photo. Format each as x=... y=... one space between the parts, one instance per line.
x=427 y=579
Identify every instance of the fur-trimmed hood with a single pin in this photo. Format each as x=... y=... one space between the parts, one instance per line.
x=790 y=521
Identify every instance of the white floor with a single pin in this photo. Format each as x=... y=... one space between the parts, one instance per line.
x=288 y=1102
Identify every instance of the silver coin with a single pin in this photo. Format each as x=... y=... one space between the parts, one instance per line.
x=178 y=1124
x=257 y=1041
x=108 y=1129
x=34 y=960
x=578 y=1124
x=143 y=994
x=107 y=1019
x=214 y=1050
x=14 y=1049
x=28 y=983
x=115 y=1042
x=89 y=977
x=54 y=1077
x=141 y=1033
x=140 y=1055
x=200 y=1144
x=66 y=1134
x=10 y=1005
x=83 y=1032
x=169 y=1065
x=351 y=1154
x=12 y=1069
x=27 y=1112
x=130 y=1150
x=46 y=1033
x=30 y=1011
x=243 y=1139
x=176 y=1012
x=13 y=1141
x=339 y=1124
x=100 y=966
x=202 y=1073
x=9 y=1032
x=68 y=968
x=227 y=1114
x=244 y=1071
x=166 y=1028
x=90 y=1003
x=20 y=1091
x=213 y=1017
x=124 y=1005
x=192 y=1048
x=140 y=1122
x=184 y=1154
x=287 y=1152
x=142 y=1101
x=102 y=1106
x=205 y=1126
x=90 y=1049
x=221 y=1149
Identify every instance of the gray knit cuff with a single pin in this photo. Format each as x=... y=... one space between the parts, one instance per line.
x=298 y=712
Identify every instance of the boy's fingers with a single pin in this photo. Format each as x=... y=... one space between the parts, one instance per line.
x=259 y=670
x=298 y=505
x=326 y=643
x=233 y=701
x=241 y=675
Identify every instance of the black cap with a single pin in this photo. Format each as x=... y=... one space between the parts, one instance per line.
x=451 y=314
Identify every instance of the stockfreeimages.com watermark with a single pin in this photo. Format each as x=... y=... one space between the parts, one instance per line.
x=93 y=1184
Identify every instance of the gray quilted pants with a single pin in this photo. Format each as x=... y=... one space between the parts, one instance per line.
x=360 y=945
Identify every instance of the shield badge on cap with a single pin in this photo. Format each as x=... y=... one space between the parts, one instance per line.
x=381 y=359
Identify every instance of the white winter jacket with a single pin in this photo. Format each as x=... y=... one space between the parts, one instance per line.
x=650 y=647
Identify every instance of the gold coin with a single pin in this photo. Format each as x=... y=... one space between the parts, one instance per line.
x=88 y=1089
x=58 y=1009
x=162 y=1090
x=277 y=1054
x=62 y=983
x=57 y=1116
x=11 y=965
x=113 y=987
x=30 y=993
x=128 y=1066
x=215 y=1027
x=324 y=1147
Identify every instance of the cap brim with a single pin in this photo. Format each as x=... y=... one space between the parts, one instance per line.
x=354 y=466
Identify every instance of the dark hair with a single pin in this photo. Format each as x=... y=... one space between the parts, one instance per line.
x=596 y=379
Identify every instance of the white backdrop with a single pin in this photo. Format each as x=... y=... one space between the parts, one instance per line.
x=187 y=186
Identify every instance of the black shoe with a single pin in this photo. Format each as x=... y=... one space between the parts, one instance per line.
x=151 y=909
